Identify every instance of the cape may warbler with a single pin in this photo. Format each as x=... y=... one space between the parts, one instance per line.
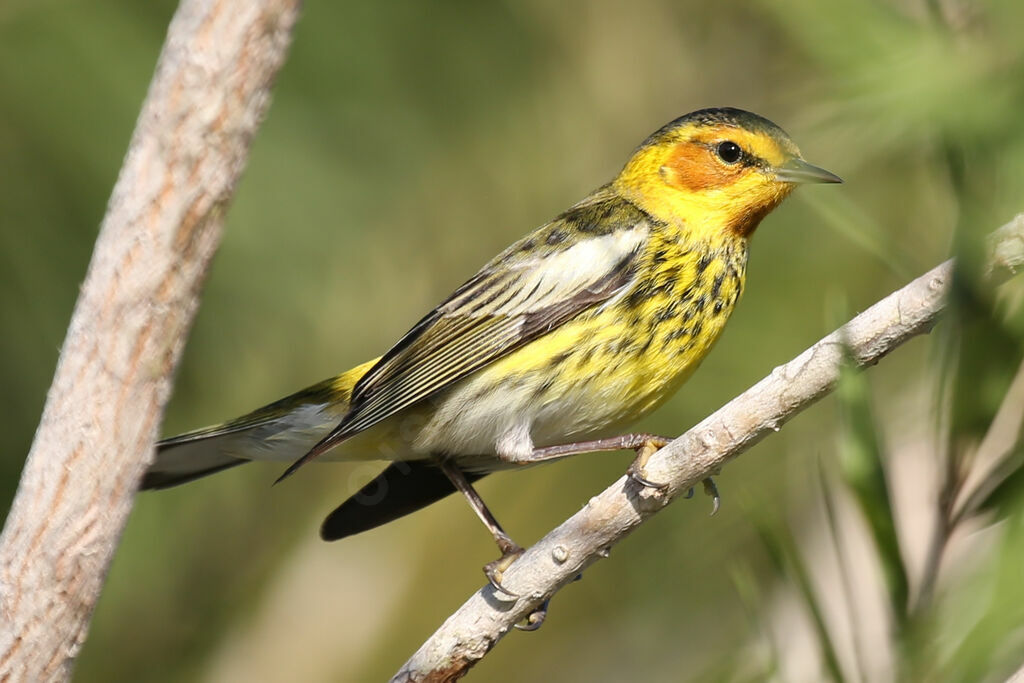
x=580 y=327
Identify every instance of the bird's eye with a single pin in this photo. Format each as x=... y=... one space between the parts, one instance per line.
x=729 y=152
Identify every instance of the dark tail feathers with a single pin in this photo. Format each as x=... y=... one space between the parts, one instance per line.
x=185 y=458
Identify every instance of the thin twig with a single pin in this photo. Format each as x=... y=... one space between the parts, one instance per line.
x=113 y=378
x=468 y=634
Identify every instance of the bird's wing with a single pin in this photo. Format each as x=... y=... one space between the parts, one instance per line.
x=494 y=313
x=521 y=295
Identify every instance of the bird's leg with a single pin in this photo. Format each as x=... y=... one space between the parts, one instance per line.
x=510 y=550
x=645 y=446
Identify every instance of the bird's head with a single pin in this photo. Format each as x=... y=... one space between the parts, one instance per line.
x=717 y=172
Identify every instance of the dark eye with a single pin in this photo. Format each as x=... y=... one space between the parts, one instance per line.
x=729 y=152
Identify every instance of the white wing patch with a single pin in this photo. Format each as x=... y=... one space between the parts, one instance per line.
x=561 y=275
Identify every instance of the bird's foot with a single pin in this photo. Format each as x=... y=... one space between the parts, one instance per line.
x=510 y=552
x=643 y=454
x=535 y=619
x=712 y=490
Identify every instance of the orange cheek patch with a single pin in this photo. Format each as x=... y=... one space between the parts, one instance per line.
x=692 y=167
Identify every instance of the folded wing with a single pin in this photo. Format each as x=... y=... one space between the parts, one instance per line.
x=520 y=296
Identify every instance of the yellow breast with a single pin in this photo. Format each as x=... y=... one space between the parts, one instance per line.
x=597 y=372
x=621 y=360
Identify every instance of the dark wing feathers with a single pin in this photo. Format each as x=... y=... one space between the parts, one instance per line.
x=418 y=376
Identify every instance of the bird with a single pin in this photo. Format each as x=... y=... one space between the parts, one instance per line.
x=581 y=327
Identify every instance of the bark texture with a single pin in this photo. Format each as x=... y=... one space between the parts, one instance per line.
x=113 y=378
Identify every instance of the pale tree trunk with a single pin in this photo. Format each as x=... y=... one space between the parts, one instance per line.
x=113 y=378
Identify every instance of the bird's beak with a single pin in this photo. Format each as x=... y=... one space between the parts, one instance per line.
x=797 y=170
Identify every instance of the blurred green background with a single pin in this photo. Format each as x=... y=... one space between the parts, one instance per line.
x=407 y=143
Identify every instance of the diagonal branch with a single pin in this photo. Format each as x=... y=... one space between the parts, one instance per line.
x=555 y=560
x=113 y=378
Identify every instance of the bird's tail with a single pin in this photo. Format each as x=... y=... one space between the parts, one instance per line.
x=263 y=435
x=180 y=460
x=282 y=431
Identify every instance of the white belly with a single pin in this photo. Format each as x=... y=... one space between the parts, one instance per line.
x=510 y=420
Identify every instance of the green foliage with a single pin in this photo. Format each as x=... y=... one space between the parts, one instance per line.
x=790 y=566
x=861 y=464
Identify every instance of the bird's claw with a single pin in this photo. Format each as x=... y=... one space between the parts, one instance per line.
x=535 y=619
x=635 y=475
x=496 y=569
x=712 y=490
x=636 y=468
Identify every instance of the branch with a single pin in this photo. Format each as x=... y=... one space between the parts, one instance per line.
x=556 y=559
x=113 y=378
